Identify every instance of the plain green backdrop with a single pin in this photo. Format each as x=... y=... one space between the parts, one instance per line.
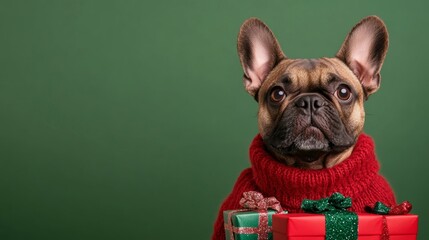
x=127 y=119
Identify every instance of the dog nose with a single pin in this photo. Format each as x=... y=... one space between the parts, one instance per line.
x=310 y=102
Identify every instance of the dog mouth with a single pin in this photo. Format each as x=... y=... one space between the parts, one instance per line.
x=310 y=145
x=311 y=139
x=308 y=137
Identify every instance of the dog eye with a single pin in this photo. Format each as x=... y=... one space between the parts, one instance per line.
x=278 y=94
x=343 y=92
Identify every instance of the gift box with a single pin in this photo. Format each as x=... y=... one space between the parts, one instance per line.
x=248 y=225
x=306 y=226
x=254 y=221
x=402 y=227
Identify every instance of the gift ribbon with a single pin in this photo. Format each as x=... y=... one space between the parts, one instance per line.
x=339 y=223
x=401 y=209
x=382 y=209
x=254 y=201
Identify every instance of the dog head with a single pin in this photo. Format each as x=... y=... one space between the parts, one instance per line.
x=311 y=110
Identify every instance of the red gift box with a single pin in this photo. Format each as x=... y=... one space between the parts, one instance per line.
x=305 y=226
x=402 y=227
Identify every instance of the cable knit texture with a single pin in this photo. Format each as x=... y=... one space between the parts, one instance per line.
x=356 y=177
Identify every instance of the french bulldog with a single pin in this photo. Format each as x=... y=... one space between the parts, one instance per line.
x=310 y=119
x=311 y=111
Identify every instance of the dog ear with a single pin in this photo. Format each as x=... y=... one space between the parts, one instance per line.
x=259 y=53
x=364 y=50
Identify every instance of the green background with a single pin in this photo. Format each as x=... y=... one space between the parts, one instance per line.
x=127 y=119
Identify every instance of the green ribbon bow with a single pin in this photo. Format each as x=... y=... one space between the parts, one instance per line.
x=339 y=223
x=381 y=208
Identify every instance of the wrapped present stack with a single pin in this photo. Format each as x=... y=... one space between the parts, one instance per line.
x=263 y=218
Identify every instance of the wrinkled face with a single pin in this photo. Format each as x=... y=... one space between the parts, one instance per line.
x=310 y=107
x=311 y=110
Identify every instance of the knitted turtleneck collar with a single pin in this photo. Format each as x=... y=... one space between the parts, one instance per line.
x=356 y=177
x=292 y=184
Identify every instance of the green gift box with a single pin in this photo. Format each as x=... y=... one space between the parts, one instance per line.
x=254 y=221
x=244 y=224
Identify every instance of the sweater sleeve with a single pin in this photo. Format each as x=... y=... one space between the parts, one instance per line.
x=244 y=183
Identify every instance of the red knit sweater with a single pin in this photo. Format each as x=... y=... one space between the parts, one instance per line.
x=356 y=177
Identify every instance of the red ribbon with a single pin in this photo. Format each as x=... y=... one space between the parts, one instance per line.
x=401 y=209
x=254 y=201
